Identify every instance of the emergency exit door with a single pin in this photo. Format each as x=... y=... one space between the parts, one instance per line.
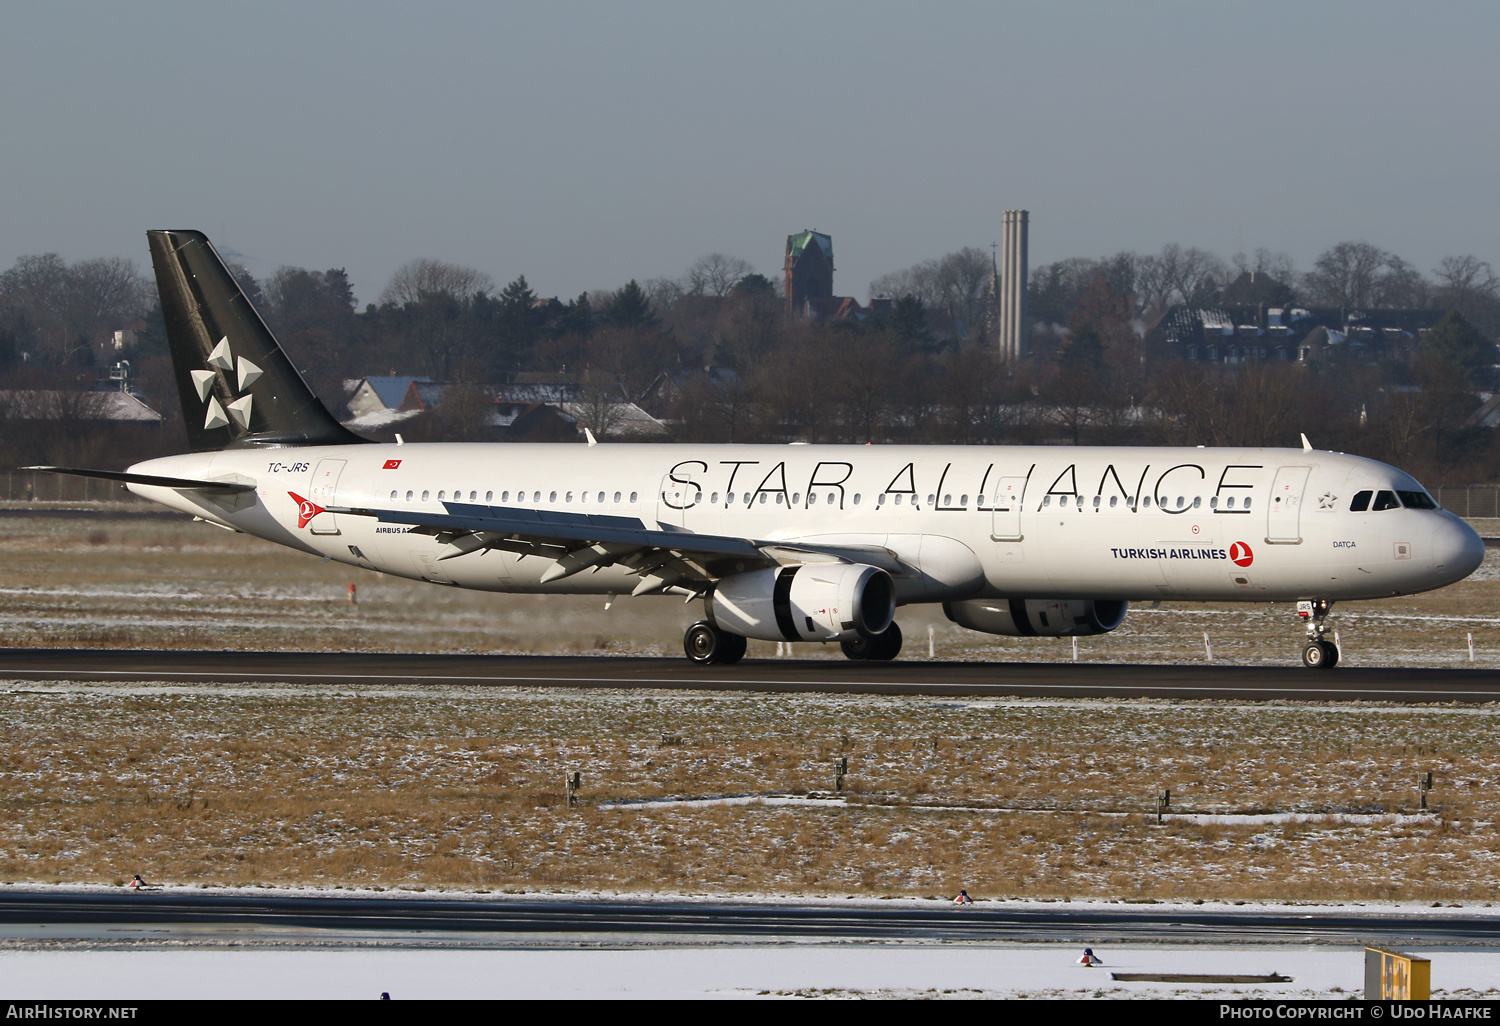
x=1009 y=493
x=1284 y=511
x=325 y=484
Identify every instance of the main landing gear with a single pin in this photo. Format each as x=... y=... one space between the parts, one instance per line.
x=883 y=646
x=705 y=644
x=1319 y=653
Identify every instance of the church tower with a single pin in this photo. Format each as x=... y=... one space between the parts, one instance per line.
x=808 y=269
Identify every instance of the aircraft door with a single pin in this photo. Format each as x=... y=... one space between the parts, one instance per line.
x=1009 y=493
x=672 y=498
x=325 y=483
x=1284 y=511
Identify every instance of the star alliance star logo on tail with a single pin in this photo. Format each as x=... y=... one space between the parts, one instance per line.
x=306 y=509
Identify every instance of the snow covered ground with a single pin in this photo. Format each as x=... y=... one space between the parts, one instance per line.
x=830 y=970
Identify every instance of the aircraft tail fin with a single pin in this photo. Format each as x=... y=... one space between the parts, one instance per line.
x=237 y=388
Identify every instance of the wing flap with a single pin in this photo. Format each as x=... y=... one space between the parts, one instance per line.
x=550 y=526
x=664 y=557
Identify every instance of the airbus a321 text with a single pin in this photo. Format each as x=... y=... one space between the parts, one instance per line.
x=797 y=543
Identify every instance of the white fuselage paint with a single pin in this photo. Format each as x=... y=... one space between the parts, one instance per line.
x=1009 y=521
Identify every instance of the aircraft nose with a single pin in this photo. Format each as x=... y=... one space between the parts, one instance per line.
x=1457 y=549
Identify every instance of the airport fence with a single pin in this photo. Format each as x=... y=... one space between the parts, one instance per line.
x=31 y=486
x=1472 y=502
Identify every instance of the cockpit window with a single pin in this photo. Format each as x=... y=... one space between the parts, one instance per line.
x=1385 y=499
x=1417 y=500
x=1360 y=502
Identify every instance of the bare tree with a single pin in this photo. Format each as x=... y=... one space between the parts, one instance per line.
x=663 y=293
x=70 y=306
x=1189 y=275
x=1465 y=279
x=1346 y=275
x=958 y=282
x=35 y=283
x=1280 y=266
x=418 y=278
x=715 y=274
x=600 y=405
x=1401 y=285
x=107 y=290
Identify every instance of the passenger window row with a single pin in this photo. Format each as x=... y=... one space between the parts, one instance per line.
x=599 y=498
x=1162 y=502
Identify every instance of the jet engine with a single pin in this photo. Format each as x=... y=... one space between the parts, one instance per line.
x=1026 y=618
x=810 y=602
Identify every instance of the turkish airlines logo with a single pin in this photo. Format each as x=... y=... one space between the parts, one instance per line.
x=1240 y=554
x=306 y=509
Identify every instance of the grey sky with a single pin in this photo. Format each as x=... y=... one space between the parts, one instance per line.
x=584 y=144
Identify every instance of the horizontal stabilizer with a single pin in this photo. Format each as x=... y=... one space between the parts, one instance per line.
x=152 y=479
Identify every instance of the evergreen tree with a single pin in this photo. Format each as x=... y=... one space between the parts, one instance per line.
x=908 y=322
x=577 y=317
x=1455 y=341
x=1082 y=349
x=755 y=285
x=517 y=300
x=630 y=308
x=520 y=321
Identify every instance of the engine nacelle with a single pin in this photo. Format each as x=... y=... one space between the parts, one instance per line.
x=811 y=602
x=1028 y=618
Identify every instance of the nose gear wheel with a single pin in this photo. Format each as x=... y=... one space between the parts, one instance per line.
x=1319 y=653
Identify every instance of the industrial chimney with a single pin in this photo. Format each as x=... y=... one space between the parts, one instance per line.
x=1013 y=285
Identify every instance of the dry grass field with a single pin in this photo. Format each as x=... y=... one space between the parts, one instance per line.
x=457 y=787
x=464 y=788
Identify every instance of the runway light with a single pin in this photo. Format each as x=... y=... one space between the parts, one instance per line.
x=1424 y=784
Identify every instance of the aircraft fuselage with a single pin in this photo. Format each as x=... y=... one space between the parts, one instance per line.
x=963 y=522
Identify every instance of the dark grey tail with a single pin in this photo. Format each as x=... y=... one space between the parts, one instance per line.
x=237 y=387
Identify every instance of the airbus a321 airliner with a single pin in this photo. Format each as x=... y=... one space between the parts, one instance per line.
x=809 y=543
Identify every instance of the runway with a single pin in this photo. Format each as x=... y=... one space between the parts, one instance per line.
x=510 y=921
x=917 y=677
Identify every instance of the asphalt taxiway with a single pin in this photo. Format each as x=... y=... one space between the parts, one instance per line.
x=1056 y=680
x=99 y=915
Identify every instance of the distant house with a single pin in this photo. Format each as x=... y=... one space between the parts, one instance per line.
x=1245 y=334
x=51 y=404
x=1488 y=414
x=531 y=407
x=375 y=404
x=373 y=395
x=625 y=420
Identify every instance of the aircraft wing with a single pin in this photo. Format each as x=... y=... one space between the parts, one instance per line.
x=663 y=556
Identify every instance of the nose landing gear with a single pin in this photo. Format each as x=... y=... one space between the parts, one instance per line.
x=1319 y=653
